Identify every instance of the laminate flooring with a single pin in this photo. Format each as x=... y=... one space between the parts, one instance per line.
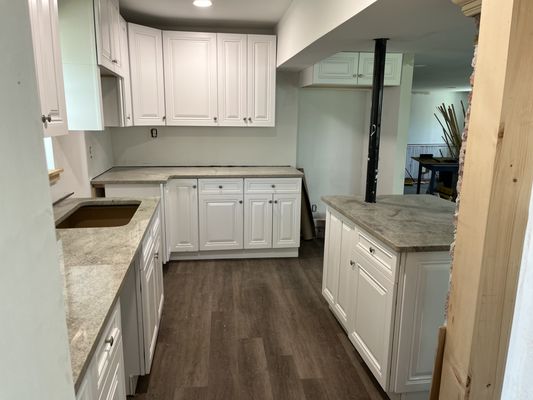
x=253 y=329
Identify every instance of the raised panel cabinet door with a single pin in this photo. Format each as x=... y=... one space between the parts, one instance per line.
x=181 y=212
x=221 y=222
x=103 y=11
x=126 y=78
x=332 y=253
x=393 y=69
x=150 y=311
x=339 y=69
x=191 y=78
x=116 y=37
x=373 y=318
x=261 y=82
x=345 y=291
x=146 y=67
x=258 y=221
x=48 y=66
x=115 y=386
x=286 y=220
x=421 y=305
x=232 y=106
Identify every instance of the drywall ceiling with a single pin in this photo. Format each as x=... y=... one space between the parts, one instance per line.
x=223 y=13
x=435 y=31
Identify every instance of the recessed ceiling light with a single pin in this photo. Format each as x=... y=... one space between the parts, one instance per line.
x=202 y=3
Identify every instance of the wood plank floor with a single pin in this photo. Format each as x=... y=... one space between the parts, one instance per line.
x=253 y=329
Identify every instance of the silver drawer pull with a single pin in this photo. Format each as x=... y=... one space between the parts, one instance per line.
x=110 y=341
x=371 y=250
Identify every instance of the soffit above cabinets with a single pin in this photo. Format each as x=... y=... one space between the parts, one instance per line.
x=182 y=13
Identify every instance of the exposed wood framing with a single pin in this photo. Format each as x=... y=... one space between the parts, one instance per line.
x=470 y=8
x=494 y=205
x=54 y=175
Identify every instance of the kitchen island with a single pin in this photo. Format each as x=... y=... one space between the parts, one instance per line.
x=99 y=264
x=386 y=275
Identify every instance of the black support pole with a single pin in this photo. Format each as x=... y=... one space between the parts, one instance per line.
x=375 y=120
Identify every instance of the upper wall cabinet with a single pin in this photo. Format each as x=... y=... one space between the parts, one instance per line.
x=48 y=66
x=350 y=69
x=190 y=78
x=147 y=82
x=108 y=37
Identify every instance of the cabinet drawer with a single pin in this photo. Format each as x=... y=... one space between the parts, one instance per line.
x=385 y=259
x=220 y=186
x=107 y=347
x=270 y=185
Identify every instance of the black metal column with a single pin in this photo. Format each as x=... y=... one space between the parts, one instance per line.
x=375 y=120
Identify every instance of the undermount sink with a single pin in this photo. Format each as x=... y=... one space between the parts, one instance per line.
x=99 y=216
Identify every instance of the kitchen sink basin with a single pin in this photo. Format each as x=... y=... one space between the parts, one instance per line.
x=99 y=216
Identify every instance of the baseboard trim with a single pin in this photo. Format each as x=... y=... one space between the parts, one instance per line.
x=229 y=254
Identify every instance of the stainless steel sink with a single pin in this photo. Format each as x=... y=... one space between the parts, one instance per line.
x=99 y=216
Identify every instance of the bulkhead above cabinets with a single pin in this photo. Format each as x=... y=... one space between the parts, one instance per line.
x=351 y=69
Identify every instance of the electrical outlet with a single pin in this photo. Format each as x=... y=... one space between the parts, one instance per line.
x=153 y=133
x=314 y=208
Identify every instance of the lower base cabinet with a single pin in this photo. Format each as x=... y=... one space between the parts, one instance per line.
x=390 y=304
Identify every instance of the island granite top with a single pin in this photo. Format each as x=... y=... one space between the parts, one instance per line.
x=95 y=262
x=406 y=223
x=163 y=174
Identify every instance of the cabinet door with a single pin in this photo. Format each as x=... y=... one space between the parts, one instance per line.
x=332 y=253
x=261 y=83
x=146 y=67
x=115 y=386
x=150 y=310
x=345 y=291
x=116 y=37
x=48 y=66
x=258 y=221
x=126 y=79
x=421 y=305
x=286 y=220
x=221 y=222
x=231 y=62
x=339 y=69
x=393 y=69
x=104 y=33
x=190 y=78
x=181 y=211
x=372 y=317
x=160 y=294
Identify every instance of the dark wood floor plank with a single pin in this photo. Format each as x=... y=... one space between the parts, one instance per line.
x=253 y=329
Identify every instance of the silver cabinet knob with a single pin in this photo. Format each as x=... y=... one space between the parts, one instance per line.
x=354 y=75
x=273 y=186
x=371 y=250
x=275 y=202
x=156 y=256
x=46 y=118
x=220 y=186
x=244 y=119
x=128 y=117
x=249 y=119
x=114 y=61
x=194 y=186
x=360 y=75
x=110 y=341
x=352 y=263
x=240 y=201
x=215 y=119
x=164 y=118
x=270 y=202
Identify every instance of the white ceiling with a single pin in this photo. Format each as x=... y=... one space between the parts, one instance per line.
x=436 y=31
x=230 y=13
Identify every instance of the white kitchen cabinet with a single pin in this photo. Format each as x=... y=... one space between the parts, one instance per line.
x=345 y=294
x=190 y=60
x=371 y=329
x=332 y=253
x=286 y=221
x=221 y=221
x=181 y=205
x=393 y=69
x=351 y=69
x=261 y=83
x=147 y=81
x=48 y=66
x=258 y=221
x=127 y=106
x=232 y=78
x=107 y=22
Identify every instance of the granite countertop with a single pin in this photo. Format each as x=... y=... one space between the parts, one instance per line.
x=95 y=262
x=403 y=222
x=163 y=174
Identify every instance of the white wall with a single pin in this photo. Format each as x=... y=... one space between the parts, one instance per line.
x=517 y=381
x=332 y=124
x=217 y=145
x=35 y=360
x=305 y=21
x=424 y=128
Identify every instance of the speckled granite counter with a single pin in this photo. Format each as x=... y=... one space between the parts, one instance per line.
x=95 y=262
x=403 y=222
x=163 y=174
